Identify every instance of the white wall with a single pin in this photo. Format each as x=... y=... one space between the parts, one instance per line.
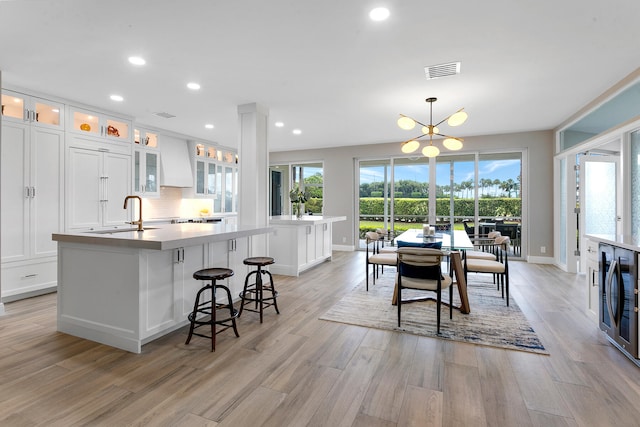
x=339 y=180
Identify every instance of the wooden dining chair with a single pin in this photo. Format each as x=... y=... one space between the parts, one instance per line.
x=421 y=269
x=498 y=266
x=375 y=258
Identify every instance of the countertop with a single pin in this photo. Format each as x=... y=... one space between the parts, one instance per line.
x=163 y=236
x=622 y=240
x=305 y=220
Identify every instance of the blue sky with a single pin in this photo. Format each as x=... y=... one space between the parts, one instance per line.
x=463 y=171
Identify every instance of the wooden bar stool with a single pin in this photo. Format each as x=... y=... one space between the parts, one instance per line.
x=205 y=311
x=254 y=292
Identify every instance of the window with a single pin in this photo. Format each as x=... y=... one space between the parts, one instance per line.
x=308 y=177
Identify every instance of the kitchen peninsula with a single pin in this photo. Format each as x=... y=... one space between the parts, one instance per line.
x=297 y=244
x=125 y=287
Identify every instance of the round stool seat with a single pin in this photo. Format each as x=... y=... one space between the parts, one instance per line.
x=259 y=260
x=213 y=274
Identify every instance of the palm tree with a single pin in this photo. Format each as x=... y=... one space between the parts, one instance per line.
x=496 y=184
x=509 y=186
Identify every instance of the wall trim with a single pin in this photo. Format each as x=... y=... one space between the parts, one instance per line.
x=540 y=260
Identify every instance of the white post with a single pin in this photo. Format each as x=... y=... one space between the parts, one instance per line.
x=253 y=165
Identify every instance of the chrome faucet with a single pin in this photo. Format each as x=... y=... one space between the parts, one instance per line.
x=139 y=221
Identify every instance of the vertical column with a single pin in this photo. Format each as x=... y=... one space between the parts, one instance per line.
x=253 y=165
x=1 y=304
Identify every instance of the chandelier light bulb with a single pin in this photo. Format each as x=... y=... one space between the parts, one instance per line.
x=452 y=144
x=410 y=146
x=430 y=151
x=457 y=118
x=406 y=123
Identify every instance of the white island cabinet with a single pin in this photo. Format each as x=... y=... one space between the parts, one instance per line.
x=127 y=288
x=299 y=244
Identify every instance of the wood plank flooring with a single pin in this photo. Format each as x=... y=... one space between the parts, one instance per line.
x=296 y=370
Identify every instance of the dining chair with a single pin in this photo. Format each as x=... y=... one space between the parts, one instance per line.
x=420 y=269
x=498 y=266
x=385 y=237
x=375 y=258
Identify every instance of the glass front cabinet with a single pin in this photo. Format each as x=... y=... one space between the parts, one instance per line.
x=216 y=176
x=21 y=108
x=146 y=163
x=99 y=125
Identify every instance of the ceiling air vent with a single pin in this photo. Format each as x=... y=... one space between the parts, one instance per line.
x=442 y=70
x=164 y=115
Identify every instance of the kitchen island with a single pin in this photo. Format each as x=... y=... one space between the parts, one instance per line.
x=297 y=244
x=125 y=288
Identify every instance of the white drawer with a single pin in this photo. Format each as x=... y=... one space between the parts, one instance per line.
x=22 y=280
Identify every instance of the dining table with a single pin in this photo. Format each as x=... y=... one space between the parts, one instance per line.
x=454 y=243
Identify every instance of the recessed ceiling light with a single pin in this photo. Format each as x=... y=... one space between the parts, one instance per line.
x=297 y=131
x=117 y=98
x=136 y=60
x=379 y=14
x=193 y=86
x=279 y=124
x=209 y=126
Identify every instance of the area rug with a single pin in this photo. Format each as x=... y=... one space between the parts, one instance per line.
x=489 y=323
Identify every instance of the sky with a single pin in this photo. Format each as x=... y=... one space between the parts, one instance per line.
x=463 y=171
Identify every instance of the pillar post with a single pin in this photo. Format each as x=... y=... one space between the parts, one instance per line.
x=253 y=164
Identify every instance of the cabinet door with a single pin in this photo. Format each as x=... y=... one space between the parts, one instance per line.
x=238 y=252
x=186 y=262
x=145 y=173
x=84 y=188
x=47 y=195
x=15 y=191
x=117 y=179
x=99 y=125
x=151 y=172
x=310 y=236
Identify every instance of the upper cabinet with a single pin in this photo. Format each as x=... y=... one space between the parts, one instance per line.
x=99 y=125
x=216 y=176
x=146 y=163
x=18 y=107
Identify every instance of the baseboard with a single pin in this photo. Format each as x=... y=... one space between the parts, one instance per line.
x=540 y=260
x=343 y=248
x=29 y=294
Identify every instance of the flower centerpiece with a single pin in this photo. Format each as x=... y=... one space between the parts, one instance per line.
x=297 y=199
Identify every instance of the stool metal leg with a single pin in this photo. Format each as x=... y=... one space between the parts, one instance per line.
x=255 y=293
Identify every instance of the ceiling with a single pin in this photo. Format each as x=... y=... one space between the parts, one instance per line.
x=322 y=67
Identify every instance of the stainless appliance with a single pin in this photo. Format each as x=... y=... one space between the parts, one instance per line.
x=199 y=220
x=619 y=297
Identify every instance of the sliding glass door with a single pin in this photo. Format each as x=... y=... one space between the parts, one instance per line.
x=482 y=189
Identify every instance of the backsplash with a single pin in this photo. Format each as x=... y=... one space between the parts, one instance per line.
x=170 y=204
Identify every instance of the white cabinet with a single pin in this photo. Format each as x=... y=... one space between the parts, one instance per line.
x=298 y=245
x=168 y=289
x=98 y=180
x=215 y=176
x=32 y=176
x=205 y=177
x=21 y=108
x=31 y=196
x=99 y=125
x=593 y=270
x=146 y=168
x=146 y=163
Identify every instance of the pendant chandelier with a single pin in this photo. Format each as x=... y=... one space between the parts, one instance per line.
x=450 y=142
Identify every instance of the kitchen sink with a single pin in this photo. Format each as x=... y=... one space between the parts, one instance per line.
x=120 y=230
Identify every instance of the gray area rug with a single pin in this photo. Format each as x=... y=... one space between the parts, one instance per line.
x=490 y=321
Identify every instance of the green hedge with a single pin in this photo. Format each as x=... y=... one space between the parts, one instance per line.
x=417 y=210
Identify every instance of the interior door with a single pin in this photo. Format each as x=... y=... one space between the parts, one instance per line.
x=600 y=200
x=276 y=193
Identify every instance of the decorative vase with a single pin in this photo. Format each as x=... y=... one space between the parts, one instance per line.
x=297 y=211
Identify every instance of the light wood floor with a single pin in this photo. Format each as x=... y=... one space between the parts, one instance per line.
x=296 y=370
